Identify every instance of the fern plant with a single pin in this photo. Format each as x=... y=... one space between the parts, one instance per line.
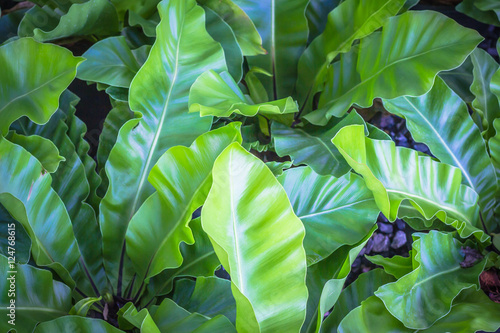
x=251 y=111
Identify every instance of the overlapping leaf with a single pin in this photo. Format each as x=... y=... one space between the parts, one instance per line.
x=334 y=211
x=428 y=42
x=428 y=118
x=76 y=324
x=258 y=240
x=395 y=174
x=34 y=75
x=182 y=178
x=183 y=50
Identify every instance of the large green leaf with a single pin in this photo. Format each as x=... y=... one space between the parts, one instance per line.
x=172 y=318
x=494 y=145
x=139 y=319
x=96 y=17
x=208 y=296
x=159 y=92
x=352 y=296
x=76 y=324
x=426 y=294
x=428 y=118
x=460 y=79
x=215 y=94
x=472 y=311
x=486 y=16
x=396 y=266
x=182 y=178
x=222 y=32
x=427 y=43
x=396 y=174
x=20 y=239
x=312 y=145
x=28 y=197
x=109 y=61
x=334 y=211
x=37 y=297
x=351 y=20
x=9 y=24
x=243 y=28
x=70 y=181
x=486 y=104
x=283 y=28
x=317 y=16
x=258 y=240
x=43 y=149
x=199 y=259
x=34 y=75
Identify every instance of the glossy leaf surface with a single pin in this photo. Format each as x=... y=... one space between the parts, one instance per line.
x=395 y=174
x=76 y=324
x=258 y=240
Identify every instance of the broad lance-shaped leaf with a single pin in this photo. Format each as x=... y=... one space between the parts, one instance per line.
x=283 y=28
x=351 y=20
x=395 y=174
x=37 y=296
x=96 y=17
x=76 y=324
x=222 y=32
x=325 y=281
x=28 y=197
x=199 y=259
x=472 y=311
x=182 y=178
x=460 y=79
x=495 y=83
x=396 y=266
x=312 y=145
x=160 y=93
x=218 y=95
x=109 y=61
x=242 y=26
x=21 y=238
x=334 y=211
x=317 y=16
x=71 y=184
x=34 y=75
x=486 y=104
x=426 y=294
x=494 y=144
x=43 y=149
x=258 y=240
x=208 y=296
x=352 y=296
x=428 y=42
x=428 y=118
x=469 y=8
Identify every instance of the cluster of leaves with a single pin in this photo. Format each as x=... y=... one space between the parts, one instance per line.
x=247 y=109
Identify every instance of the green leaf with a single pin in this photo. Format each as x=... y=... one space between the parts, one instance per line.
x=44 y=150
x=243 y=28
x=317 y=15
x=76 y=324
x=352 y=296
x=109 y=61
x=82 y=307
x=334 y=211
x=469 y=8
x=460 y=79
x=144 y=8
x=199 y=260
x=148 y=25
x=22 y=244
x=218 y=95
x=396 y=266
x=268 y=280
x=351 y=20
x=222 y=32
x=395 y=174
x=494 y=145
x=312 y=145
x=428 y=42
x=277 y=168
x=9 y=24
x=418 y=299
x=486 y=104
x=208 y=296
x=139 y=319
x=70 y=181
x=94 y=17
x=28 y=197
x=34 y=75
x=159 y=92
x=37 y=297
x=283 y=27
x=428 y=118
x=182 y=178
x=172 y=318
